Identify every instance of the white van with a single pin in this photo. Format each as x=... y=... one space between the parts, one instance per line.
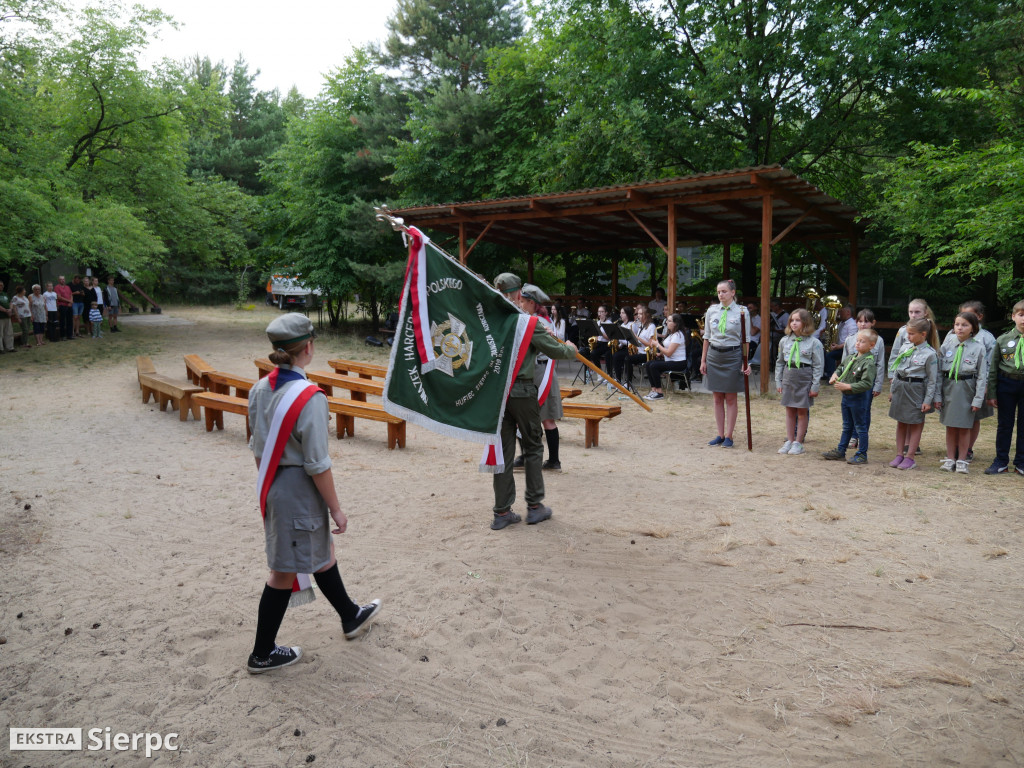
x=289 y=291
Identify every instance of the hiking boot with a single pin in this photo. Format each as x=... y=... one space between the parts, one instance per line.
x=281 y=656
x=356 y=626
x=552 y=465
x=537 y=514
x=834 y=455
x=519 y=463
x=505 y=520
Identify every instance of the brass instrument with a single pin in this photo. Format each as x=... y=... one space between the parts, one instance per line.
x=699 y=333
x=652 y=351
x=593 y=341
x=812 y=297
x=831 y=330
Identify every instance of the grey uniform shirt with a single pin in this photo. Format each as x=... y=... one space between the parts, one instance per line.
x=973 y=361
x=922 y=363
x=307 y=444
x=811 y=353
x=731 y=337
x=878 y=352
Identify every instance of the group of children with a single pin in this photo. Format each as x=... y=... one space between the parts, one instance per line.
x=964 y=378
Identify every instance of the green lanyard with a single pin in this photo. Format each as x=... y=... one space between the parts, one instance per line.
x=954 y=372
x=723 y=319
x=901 y=357
x=793 y=361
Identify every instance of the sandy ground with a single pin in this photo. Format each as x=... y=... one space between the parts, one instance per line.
x=686 y=606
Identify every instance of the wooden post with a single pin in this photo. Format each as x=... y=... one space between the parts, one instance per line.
x=766 y=284
x=670 y=280
x=462 y=243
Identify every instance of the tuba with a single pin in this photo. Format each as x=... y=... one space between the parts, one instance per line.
x=812 y=297
x=831 y=330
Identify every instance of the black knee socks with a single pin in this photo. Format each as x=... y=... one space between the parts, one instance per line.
x=333 y=588
x=273 y=605
x=552 y=438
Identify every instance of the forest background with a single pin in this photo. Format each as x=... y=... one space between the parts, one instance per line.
x=200 y=185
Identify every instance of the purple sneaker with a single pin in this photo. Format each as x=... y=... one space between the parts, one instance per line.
x=907 y=463
x=895 y=463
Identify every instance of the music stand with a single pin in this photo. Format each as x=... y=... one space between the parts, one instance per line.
x=587 y=328
x=627 y=335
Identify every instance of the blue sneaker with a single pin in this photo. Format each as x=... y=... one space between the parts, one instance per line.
x=727 y=443
x=858 y=458
x=717 y=441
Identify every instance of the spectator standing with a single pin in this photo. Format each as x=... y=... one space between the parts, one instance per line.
x=22 y=314
x=51 y=313
x=77 y=305
x=37 y=304
x=6 y=328
x=113 y=300
x=64 y=302
x=657 y=304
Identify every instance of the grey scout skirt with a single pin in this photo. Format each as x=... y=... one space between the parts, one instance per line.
x=724 y=374
x=297 y=525
x=796 y=387
x=957 y=397
x=907 y=398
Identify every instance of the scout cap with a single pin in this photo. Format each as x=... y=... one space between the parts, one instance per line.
x=290 y=329
x=506 y=282
x=534 y=293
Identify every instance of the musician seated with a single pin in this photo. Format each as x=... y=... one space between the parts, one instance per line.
x=619 y=347
x=673 y=349
x=645 y=331
x=597 y=351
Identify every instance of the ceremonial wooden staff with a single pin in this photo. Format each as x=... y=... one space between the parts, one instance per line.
x=609 y=379
x=746 y=379
x=397 y=224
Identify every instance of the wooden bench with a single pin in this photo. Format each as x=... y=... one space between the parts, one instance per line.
x=568 y=392
x=165 y=390
x=358 y=388
x=347 y=411
x=195 y=369
x=143 y=364
x=216 y=404
x=221 y=383
x=592 y=415
x=363 y=370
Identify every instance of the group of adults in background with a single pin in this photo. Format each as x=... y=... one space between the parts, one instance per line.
x=61 y=312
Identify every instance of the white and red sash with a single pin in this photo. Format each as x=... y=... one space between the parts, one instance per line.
x=493 y=460
x=285 y=416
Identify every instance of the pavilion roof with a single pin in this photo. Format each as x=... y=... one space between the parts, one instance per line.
x=725 y=206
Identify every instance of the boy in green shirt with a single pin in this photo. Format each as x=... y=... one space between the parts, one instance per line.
x=855 y=380
x=1006 y=393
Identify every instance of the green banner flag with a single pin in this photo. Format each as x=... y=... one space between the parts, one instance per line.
x=457 y=349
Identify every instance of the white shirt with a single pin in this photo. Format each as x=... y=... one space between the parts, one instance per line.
x=51 y=301
x=680 y=351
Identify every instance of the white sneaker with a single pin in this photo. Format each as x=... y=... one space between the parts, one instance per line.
x=786 y=446
x=796 y=449
x=961 y=466
x=946 y=465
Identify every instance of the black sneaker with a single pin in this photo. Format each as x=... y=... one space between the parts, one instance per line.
x=996 y=469
x=361 y=622
x=537 y=514
x=553 y=465
x=519 y=463
x=504 y=521
x=970 y=456
x=1019 y=469
x=281 y=656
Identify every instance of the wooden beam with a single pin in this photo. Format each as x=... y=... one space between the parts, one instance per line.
x=796 y=202
x=462 y=243
x=791 y=227
x=671 y=224
x=476 y=242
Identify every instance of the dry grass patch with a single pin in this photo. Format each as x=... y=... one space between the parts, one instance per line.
x=992 y=554
x=655 y=532
x=946 y=677
x=829 y=515
x=727 y=544
x=723 y=520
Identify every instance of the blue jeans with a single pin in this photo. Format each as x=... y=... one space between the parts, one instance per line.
x=856 y=419
x=1009 y=396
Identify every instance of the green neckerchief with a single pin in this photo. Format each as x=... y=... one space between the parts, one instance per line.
x=954 y=371
x=1018 y=353
x=723 y=319
x=849 y=364
x=901 y=357
x=794 y=353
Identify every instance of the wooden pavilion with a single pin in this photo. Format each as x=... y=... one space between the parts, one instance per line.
x=762 y=204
